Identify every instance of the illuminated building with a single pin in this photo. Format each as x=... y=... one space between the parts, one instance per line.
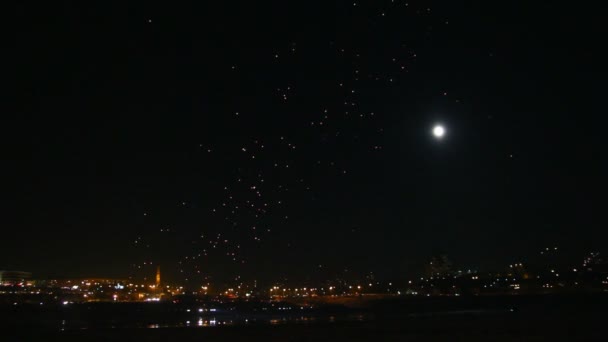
x=158 y=277
x=14 y=277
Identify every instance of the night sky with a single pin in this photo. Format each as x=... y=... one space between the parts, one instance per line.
x=285 y=139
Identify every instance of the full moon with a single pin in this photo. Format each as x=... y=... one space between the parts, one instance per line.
x=438 y=131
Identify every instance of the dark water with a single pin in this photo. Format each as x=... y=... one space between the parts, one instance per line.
x=165 y=315
x=541 y=318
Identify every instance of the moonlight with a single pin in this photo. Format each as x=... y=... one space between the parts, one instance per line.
x=438 y=131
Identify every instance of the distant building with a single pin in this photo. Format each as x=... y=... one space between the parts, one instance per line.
x=14 y=277
x=158 y=277
x=439 y=266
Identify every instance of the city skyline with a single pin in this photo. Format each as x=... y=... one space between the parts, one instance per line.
x=549 y=261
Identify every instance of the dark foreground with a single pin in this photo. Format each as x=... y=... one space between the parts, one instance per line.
x=539 y=318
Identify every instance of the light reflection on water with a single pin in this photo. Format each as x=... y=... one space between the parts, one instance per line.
x=273 y=320
x=185 y=324
x=202 y=321
x=207 y=322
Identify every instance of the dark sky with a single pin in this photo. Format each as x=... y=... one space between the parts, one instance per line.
x=275 y=139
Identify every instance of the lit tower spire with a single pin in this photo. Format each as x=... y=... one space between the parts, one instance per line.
x=158 y=276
